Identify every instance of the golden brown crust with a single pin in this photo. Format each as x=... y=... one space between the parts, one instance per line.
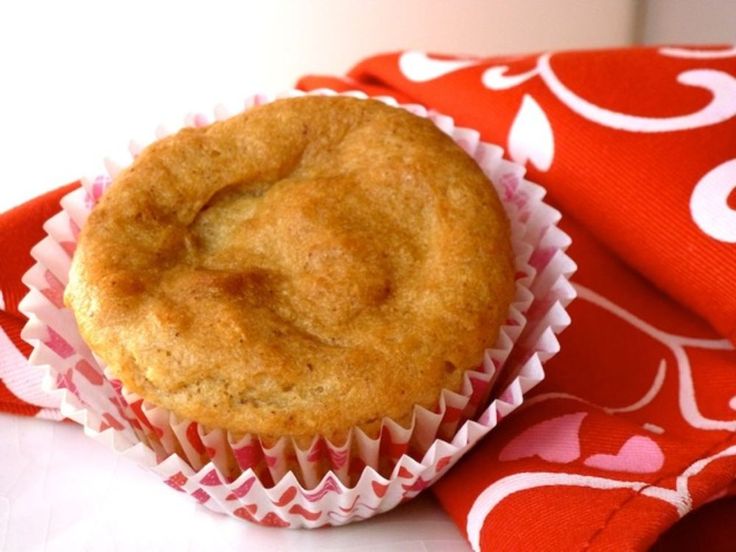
x=311 y=265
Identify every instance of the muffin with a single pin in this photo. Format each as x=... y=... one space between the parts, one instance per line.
x=310 y=266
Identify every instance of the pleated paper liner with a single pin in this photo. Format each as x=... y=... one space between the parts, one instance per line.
x=279 y=483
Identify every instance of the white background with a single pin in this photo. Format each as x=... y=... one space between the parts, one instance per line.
x=79 y=79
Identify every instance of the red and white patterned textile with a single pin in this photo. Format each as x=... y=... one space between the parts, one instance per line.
x=635 y=425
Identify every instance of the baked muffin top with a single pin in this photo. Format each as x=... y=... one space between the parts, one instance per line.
x=305 y=267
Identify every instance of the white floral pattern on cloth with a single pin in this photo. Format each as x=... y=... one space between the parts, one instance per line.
x=531 y=137
x=709 y=202
x=558 y=440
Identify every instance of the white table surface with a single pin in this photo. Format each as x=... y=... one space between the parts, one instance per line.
x=61 y=492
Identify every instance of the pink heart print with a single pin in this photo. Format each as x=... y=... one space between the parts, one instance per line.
x=555 y=440
x=639 y=454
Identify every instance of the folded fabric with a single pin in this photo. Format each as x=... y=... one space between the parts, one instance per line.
x=635 y=425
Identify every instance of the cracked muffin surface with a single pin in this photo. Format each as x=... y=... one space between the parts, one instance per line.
x=309 y=266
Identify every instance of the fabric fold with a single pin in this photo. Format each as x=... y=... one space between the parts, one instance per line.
x=634 y=426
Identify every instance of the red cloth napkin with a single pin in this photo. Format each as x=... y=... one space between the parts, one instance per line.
x=635 y=425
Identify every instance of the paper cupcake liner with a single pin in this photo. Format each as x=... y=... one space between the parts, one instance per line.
x=279 y=483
